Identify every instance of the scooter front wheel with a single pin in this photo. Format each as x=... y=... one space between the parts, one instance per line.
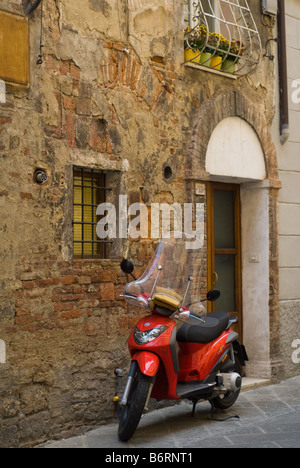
x=130 y=414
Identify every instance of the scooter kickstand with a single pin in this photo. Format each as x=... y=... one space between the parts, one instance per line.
x=194 y=408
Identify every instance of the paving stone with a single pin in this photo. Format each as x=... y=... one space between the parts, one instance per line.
x=269 y=417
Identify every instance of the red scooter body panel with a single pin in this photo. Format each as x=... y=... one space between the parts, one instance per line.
x=196 y=360
x=148 y=362
x=166 y=380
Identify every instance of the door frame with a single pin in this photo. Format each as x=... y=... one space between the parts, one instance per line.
x=237 y=251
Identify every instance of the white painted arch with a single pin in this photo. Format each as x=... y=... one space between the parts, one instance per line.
x=234 y=150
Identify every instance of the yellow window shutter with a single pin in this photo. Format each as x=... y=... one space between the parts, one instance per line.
x=89 y=190
x=84 y=212
x=14 y=49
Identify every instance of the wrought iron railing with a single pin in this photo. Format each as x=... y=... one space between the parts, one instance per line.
x=222 y=34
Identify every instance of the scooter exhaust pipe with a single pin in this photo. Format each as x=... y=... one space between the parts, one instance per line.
x=232 y=381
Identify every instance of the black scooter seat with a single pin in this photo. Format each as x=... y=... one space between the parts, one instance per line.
x=215 y=323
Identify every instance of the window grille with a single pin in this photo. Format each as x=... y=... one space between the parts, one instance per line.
x=223 y=28
x=89 y=190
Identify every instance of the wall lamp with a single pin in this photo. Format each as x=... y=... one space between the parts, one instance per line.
x=270 y=56
x=269 y=7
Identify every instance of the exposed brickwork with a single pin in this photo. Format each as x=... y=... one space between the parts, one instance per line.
x=234 y=103
x=231 y=103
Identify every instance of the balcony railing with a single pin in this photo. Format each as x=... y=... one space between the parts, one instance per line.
x=222 y=35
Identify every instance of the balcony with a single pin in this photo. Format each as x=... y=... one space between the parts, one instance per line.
x=221 y=36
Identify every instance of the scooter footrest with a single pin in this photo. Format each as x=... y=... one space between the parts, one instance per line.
x=193 y=389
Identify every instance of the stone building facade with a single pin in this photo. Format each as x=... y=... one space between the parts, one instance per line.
x=109 y=94
x=288 y=152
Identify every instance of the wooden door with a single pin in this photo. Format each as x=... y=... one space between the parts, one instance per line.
x=224 y=249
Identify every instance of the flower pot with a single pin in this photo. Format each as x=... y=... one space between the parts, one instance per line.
x=205 y=58
x=191 y=56
x=216 y=62
x=228 y=66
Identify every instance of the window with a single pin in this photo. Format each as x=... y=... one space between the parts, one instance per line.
x=225 y=29
x=209 y=7
x=89 y=190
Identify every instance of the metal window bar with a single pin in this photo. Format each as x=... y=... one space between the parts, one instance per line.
x=223 y=28
x=93 y=244
x=93 y=187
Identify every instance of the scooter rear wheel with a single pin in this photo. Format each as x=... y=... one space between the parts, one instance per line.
x=130 y=414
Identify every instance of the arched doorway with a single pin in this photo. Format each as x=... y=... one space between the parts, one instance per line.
x=238 y=237
x=232 y=151
x=235 y=151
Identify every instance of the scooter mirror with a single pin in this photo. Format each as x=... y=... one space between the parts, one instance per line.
x=213 y=295
x=127 y=266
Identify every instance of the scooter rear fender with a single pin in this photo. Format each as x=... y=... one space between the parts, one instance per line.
x=147 y=362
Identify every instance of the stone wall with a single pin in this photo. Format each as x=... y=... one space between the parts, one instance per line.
x=111 y=93
x=289 y=200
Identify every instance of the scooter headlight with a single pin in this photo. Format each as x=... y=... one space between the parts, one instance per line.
x=144 y=337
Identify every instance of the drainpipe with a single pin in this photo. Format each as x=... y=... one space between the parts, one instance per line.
x=283 y=82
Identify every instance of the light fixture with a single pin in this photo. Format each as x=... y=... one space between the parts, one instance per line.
x=269 y=7
x=40 y=176
x=268 y=54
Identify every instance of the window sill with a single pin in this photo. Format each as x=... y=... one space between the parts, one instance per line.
x=79 y=261
x=210 y=70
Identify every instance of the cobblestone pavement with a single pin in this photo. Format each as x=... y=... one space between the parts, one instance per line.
x=269 y=417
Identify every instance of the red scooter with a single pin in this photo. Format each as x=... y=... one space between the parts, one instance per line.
x=179 y=351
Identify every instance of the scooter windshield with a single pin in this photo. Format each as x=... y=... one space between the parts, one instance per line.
x=172 y=281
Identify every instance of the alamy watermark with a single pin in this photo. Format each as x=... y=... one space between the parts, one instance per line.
x=296 y=353
x=2 y=352
x=2 y=92
x=296 y=92
x=139 y=221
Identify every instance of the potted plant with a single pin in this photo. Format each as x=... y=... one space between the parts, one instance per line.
x=204 y=46
x=191 y=51
x=195 y=44
x=220 y=46
x=235 y=52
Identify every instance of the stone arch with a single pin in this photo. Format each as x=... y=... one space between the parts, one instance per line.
x=242 y=154
x=230 y=104
x=259 y=201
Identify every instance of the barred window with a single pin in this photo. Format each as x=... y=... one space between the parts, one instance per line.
x=89 y=190
x=223 y=28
